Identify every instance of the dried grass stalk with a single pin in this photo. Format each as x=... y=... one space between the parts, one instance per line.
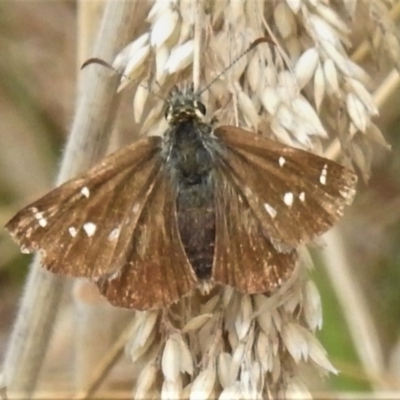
x=87 y=143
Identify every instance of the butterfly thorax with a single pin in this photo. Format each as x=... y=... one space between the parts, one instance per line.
x=189 y=158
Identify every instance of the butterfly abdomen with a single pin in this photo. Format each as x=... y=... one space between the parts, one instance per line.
x=191 y=168
x=196 y=223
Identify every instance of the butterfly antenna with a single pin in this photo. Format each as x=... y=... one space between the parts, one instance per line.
x=250 y=48
x=99 y=61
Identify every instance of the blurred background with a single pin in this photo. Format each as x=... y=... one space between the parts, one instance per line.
x=37 y=87
x=38 y=72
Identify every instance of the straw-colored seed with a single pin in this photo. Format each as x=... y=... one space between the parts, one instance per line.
x=146 y=381
x=249 y=111
x=319 y=87
x=284 y=19
x=236 y=361
x=294 y=340
x=306 y=66
x=149 y=321
x=332 y=18
x=363 y=95
x=303 y=108
x=312 y=306
x=203 y=384
x=232 y=392
x=171 y=359
x=164 y=27
x=331 y=77
x=357 y=112
x=224 y=363
x=134 y=66
x=242 y=323
x=171 y=389
x=139 y=101
x=317 y=353
x=185 y=356
x=162 y=55
x=136 y=350
x=180 y=57
x=123 y=57
x=297 y=390
x=196 y=322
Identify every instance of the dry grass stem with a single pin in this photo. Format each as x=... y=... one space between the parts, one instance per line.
x=357 y=315
x=87 y=143
x=104 y=365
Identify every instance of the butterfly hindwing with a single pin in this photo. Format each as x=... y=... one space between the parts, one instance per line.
x=244 y=256
x=296 y=195
x=157 y=271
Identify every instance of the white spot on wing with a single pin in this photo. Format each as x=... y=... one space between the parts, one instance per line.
x=89 y=228
x=324 y=173
x=281 y=161
x=114 y=234
x=348 y=193
x=115 y=275
x=135 y=208
x=38 y=215
x=72 y=231
x=270 y=210
x=247 y=191
x=302 y=196
x=288 y=199
x=85 y=192
x=24 y=250
x=42 y=222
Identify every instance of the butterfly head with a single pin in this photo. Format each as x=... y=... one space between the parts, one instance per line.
x=184 y=105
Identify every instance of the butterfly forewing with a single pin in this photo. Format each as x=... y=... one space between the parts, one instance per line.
x=78 y=225
x=103 y=230
x=245 y=258
x=157 y=271
x=296 y=195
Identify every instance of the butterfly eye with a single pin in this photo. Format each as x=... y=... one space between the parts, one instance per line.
x=201 y=107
